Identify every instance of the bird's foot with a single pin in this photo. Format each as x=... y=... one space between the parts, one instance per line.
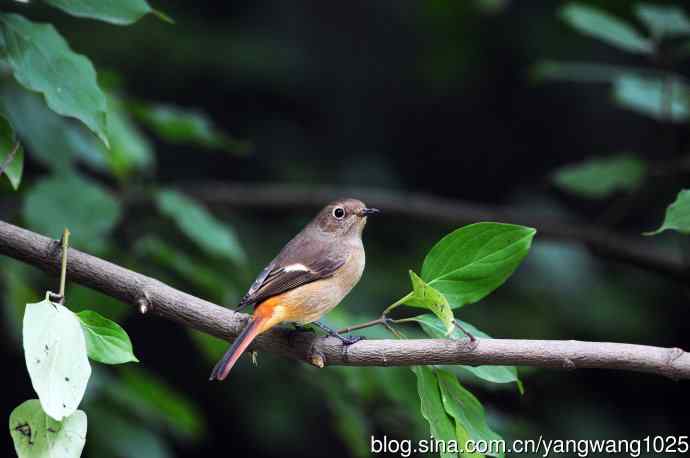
x=349 y=339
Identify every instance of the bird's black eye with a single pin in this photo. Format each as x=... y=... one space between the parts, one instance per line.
x=339 y=212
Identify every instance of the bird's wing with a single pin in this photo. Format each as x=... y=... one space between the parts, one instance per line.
x=298 y=264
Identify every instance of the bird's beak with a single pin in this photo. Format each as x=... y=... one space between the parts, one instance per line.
x=369 y=211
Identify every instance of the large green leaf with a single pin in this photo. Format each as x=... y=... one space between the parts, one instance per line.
x=119 y=12
x=36 y=435
x=11 y=154
x=663 y=20
x=106 y=341
x=213 y=236
x=154 y=400
x=180 y=125
x=53 y=140
x=602 y=26
x=662 y=99
x=124 y=436
x=469 y=263
x=598 y=178
x=130 y=150
x=71 y=201
x=426 y=297
x=466 y=410
x=42 y=61
x=495 y=374
x=585 y=72
x=55 y=353
x=432 y=408
x=677 y=215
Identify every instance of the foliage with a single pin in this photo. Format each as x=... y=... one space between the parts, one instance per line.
x=601 y=177
x=36 y=434
x=677 y=215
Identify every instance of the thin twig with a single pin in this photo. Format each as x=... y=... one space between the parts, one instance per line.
x=636 y=251
x=191 y=311
x=63 y=269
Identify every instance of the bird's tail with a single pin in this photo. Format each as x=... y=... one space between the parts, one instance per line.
x=238 y=347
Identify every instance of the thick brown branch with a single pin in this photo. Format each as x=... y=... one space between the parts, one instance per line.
x=641 y=253
x=153 y=296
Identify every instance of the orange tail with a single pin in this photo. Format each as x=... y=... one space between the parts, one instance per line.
x=237 y=348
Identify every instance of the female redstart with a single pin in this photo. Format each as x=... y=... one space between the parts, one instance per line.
x=310 y=276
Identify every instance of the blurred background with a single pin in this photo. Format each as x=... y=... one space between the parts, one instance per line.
x=474 y=101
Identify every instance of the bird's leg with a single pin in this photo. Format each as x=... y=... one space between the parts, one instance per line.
x=346 y=340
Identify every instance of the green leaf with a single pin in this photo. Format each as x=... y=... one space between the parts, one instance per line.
x=469 y=263
x=36 y=435
x=661 y=99
x=601 y=177
x=119 y=12
x=196 y=271
x=465 y=409
x=71 y=201
x=11 y=154
x=42 y=61
x=602 y=26
x=433 y=327
x=584 y=72
x=124 y=437
x=213 y=236
x=54 y=140
x=106 y=341
x=426 y=297
x=663 y=21
x=432 y=407
x=55 y=353
x=130 y=150
x=179 y=125
x=677 y=215
x=157 y=402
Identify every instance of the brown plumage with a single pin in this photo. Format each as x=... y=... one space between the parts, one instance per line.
x=310 y=276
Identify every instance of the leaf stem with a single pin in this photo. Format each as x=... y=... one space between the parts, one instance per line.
x=63 y=270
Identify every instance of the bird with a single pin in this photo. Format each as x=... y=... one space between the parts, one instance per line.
x=311 y=275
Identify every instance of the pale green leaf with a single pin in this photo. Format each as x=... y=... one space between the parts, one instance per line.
x=42 y=61
x=602 y=26
x=662 y=99
x=426 y=297
x=36 y=435
x=677 y=215
x=432 y=408
x=433 y=327
x=55 y=353
x=601 y=177
x=181 y=125
x=119 y=12
x=106 y=341
x=663 y=20
x=469 y=263
x=213 y=236
x=466 y=410
x=71 y=201
x=11 y=154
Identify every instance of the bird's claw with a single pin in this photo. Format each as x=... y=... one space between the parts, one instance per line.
x=350 y=340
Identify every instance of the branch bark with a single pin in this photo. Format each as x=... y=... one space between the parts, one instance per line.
x=155 y=297
x=634 y=251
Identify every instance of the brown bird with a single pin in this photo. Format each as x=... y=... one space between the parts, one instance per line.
x=310 y=276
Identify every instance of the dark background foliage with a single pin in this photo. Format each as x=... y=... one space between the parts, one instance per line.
x=435 y=97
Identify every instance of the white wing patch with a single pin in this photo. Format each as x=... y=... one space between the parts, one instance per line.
x=296 y=268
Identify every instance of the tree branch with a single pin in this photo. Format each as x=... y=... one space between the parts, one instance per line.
x=151 y=295
x=643 y=254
